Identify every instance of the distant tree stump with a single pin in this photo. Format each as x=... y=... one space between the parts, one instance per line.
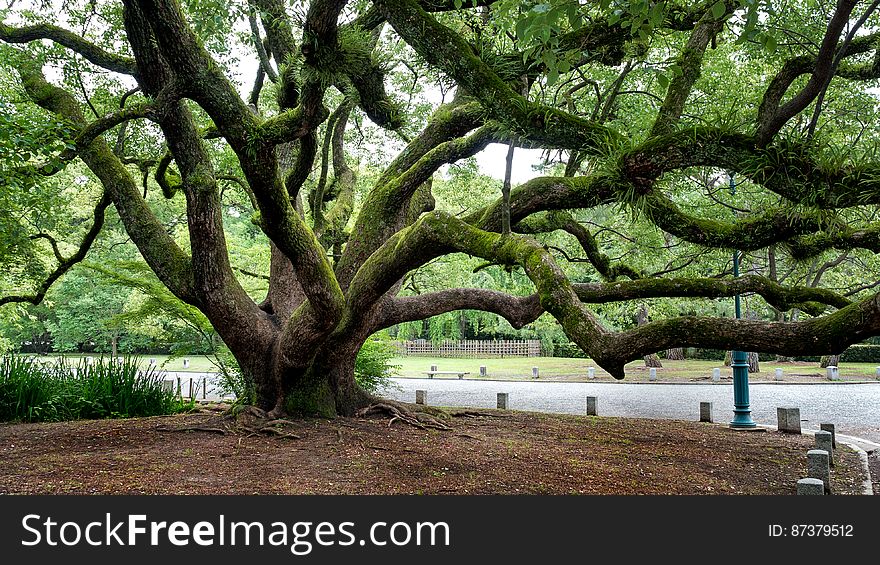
x=675 y=354
x=829 y=361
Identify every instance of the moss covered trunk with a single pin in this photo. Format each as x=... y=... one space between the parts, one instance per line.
x=326 y=387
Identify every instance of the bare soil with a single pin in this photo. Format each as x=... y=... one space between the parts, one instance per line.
x=505 y=452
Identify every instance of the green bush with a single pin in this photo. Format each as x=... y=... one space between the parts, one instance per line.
x=34 y=392
x=232 y=380
x=568 y=350
x=373 y=369
x=861 y=353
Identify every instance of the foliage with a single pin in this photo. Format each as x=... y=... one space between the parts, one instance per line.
x=34 y=392
x=373 y=369
x=861 y=353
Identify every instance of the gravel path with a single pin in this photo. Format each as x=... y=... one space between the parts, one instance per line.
x=854 y=408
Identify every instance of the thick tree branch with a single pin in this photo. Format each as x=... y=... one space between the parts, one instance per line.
x=72 y=41
x=447 y=50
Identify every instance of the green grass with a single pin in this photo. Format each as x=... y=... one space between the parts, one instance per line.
x=31 y=391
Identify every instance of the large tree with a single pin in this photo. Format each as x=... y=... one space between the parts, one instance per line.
x=636 y=97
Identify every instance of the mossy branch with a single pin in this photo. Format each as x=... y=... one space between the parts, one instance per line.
x=72 y=41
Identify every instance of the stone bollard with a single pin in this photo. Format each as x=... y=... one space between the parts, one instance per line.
x=591 y=373
x=534 y=372
x=421 y=397
x=482 y=370
x=830 y=428
x=186 y=363
x=716 y=375
x=823 y=442
x=652 y=374
x=810 y=486
x=788 y=420
x=168 y=386
x=502 y=401
x=433 y=369
x=90 y=360
x=778 y=374
x=832 y=373
x=817 y=467
x=152 y=361
x=706 y=412
x=592 y=406
x=877 y=374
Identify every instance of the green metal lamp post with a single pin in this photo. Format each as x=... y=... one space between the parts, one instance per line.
x=742 y=411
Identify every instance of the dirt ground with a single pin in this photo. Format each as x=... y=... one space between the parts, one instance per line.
x=507 y=452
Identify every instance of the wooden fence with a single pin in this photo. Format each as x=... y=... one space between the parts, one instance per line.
x=470 y=348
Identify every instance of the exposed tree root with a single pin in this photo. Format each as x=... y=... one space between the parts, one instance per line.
x=410 y=414
x=240 y=420
x=477 y=414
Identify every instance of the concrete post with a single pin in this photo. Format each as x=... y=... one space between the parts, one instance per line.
x=592 y=406
x=706 y=414
x=830 y=428
x=482 y=370
x=823 y=441
x=168 y=386
x=788 y=420
x=186 y=363
x=716 y=375
x=818 y=468
x=877 y=373
x=535 y=372
x=778 y=374
x=152 y=361
x=810 y=487
x=652 y=374
x=433 y=368
x=591 y=372
x=421 y=397
x=502 y=401
x=832 y=373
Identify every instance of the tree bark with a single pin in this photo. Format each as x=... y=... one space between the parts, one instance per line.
x=675 y=354
x=829 y=361
x=651 y=360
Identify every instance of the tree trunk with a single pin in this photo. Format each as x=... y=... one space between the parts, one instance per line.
x=641 y=319
x=829 y=361
x=751 y=359
x=754 y=366
x=675 y=354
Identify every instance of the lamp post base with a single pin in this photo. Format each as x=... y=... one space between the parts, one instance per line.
x=742 y=412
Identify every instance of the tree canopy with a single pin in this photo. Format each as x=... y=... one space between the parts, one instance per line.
x=281 y=168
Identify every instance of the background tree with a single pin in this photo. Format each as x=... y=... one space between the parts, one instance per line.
x=643 y=110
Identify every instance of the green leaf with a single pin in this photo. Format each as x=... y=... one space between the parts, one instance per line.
x=718 y=9
x=662 y=80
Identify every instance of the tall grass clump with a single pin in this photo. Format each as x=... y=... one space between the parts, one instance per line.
x=31 y=391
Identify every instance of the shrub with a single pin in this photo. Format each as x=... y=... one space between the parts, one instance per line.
x=372 y=368
x=861 y=353
x=34 y=392
x=568 y=350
